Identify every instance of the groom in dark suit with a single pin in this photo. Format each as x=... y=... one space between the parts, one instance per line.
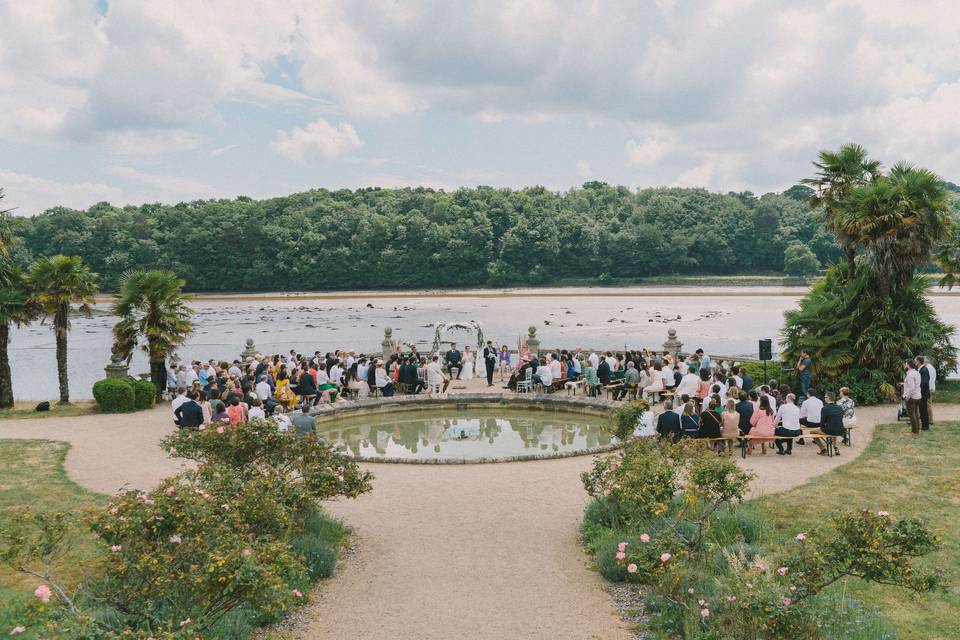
x=454 y=359
x=490 y=360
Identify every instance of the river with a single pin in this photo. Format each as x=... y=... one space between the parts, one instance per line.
x=724 y=320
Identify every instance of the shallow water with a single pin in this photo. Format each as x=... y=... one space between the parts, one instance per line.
x=452 y=434
x=722 y=320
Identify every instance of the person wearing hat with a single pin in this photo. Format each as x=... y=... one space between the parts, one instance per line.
x=382 y=380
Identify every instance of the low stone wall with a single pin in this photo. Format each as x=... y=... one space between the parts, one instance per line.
x=543 y=402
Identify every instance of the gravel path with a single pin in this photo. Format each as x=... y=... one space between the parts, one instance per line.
x=478 y=551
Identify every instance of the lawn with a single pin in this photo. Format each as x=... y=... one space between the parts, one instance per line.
x=24 y=410
x=948 y=392
x=905 y=476
x=31 y=474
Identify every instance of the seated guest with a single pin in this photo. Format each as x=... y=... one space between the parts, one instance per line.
x=689 y=422
x=282 y=420
x=219 y=413
x=603 y=371
x=655 y=380
x=544 y=376
x=745 y=409
x=256 y=411
x=847 y=404
x=304 y=423
x=237 y=411
x=590 y=380
x=810 y=411
x=703 y=386
x=630 y=380
x=761 y=423
x=689 y=385
x=383 y=381
x=788 y=424
x=711 y=424
x=731 y=422
x=831 y=423
x=307 y=386
x=668 y=423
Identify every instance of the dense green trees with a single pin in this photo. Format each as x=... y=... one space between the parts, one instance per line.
x=403 y=238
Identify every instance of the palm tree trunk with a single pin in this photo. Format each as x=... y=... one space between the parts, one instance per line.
x=60 y=330
x=158 y=376
x=851 y=253
x=6 y=382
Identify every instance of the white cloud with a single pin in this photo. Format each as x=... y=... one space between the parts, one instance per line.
x=219 y=151
x=647 y=152
x=148 y=144
x=157 y=187
x=319 y=139
x=29 y=194
x=584 y=170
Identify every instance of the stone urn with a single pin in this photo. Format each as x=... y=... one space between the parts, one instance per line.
x=673 y=345
x=117 y=367
x=388 y=345
x=249 y=350
x=533 y=343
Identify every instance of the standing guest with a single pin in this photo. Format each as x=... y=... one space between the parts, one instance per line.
x=454 y=360
x=933 y=385
x=761 y=424
x=336 y=372
x=788 y=425
x=668 y=423
x=747 y=380
x=304 y=423
x=594 y=359
x=912 y=395
x=490 y=361
x=180 y=398
x=689 y=384
x=689 y=422
x=704 y=360
x=924 y=393
x=204 y=403
x=556 y=370
x=188 y=414
x=804 y=371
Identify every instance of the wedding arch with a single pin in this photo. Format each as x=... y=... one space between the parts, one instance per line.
x=445 y=327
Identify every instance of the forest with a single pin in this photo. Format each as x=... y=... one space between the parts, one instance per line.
x=417 y=237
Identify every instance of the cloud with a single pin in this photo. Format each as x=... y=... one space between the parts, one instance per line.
x=319 y=139
x=219 y=151
x=166 y=188
x=148 y=144
x=29 y=195
x=647 y=152
x=584 y=170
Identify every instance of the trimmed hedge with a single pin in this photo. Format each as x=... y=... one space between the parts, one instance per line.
x=115 y=395
x=145 y=393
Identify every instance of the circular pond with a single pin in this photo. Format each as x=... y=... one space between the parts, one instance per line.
x=469 y=433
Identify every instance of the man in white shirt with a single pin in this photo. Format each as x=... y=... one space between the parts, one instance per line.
x=234 y=369
x=192 y=375
x=810 y=410
x=594 y=359
x=263 y=388
x=336 y=373
x=362 y=369
x=322 y=377
x=177 y=401
x=788 y=425
x=555 y=368
x=689 y=385
x=912 y=395
x=436 y=376
x=544 y=375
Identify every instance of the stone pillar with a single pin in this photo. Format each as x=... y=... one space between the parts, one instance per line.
x=389 y=347
x=117 y=368
x=672 y=345
x=249 y=351
x=533 y=343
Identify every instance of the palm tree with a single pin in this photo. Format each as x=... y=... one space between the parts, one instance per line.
x=151 y=304
x=6 y=231
x=56 y=283
x=897 y=219
x=15 y=309
x=838 y=174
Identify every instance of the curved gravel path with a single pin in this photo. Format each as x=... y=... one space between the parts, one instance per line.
x=478 y=551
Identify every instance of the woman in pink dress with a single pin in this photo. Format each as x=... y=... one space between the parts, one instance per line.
x=761 y=424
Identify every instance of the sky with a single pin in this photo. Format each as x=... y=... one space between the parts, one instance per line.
x=132 y=101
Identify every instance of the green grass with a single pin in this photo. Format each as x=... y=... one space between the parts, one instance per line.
x=32 y=475
x=26 y=410
x=948 y=392
x=906 y=476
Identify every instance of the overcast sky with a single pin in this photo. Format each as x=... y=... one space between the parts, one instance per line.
x=167 y=100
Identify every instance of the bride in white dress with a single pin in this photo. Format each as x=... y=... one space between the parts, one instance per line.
x=467 y=372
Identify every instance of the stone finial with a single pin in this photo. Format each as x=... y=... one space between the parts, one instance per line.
x=249 y=350
x=532 y=331
x=389 y=346
x=533 y=343
x=672 y=344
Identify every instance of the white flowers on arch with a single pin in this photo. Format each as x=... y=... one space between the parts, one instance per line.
x=471 y=327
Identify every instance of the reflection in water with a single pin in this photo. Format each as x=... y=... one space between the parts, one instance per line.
x=465 y=434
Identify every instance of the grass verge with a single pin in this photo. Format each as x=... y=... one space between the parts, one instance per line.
x=26 y=410
x=909 y=477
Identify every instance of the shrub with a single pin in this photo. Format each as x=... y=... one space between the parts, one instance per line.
x=624 y=420
x=145 y=394
x=114 y=395
x=866 y=387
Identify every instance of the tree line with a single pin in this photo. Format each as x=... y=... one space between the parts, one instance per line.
x=418 y=237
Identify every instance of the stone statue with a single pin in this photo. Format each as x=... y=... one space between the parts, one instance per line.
x=672 y=345
x=533 y=343
x=388 y=345
x=249 y=352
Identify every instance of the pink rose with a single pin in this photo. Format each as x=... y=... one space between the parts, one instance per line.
x=882 y=514
x=219 y=429
x=43 y=592
x=782 y=571
x=171 y=491
x=202 y=427
x=116 y=548
x=704 y=612
x=665 y=557
x=690 y=590
x=622 y=546
x=702 y=602
x=226 y=507
x=644 y=537
x=759 y=566
x=17 y=630
x=787 y=601
x=801 y=537
x=621 y=555
x=184 y=623
x=175 y=539
x=731 y=598
x=297 y=594
x=631 y=568
x=173 y=450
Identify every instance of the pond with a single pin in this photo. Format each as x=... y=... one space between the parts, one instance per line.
x=468 y=434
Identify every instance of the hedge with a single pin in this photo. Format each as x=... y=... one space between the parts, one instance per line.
x=145 y=393
x=115 y=395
